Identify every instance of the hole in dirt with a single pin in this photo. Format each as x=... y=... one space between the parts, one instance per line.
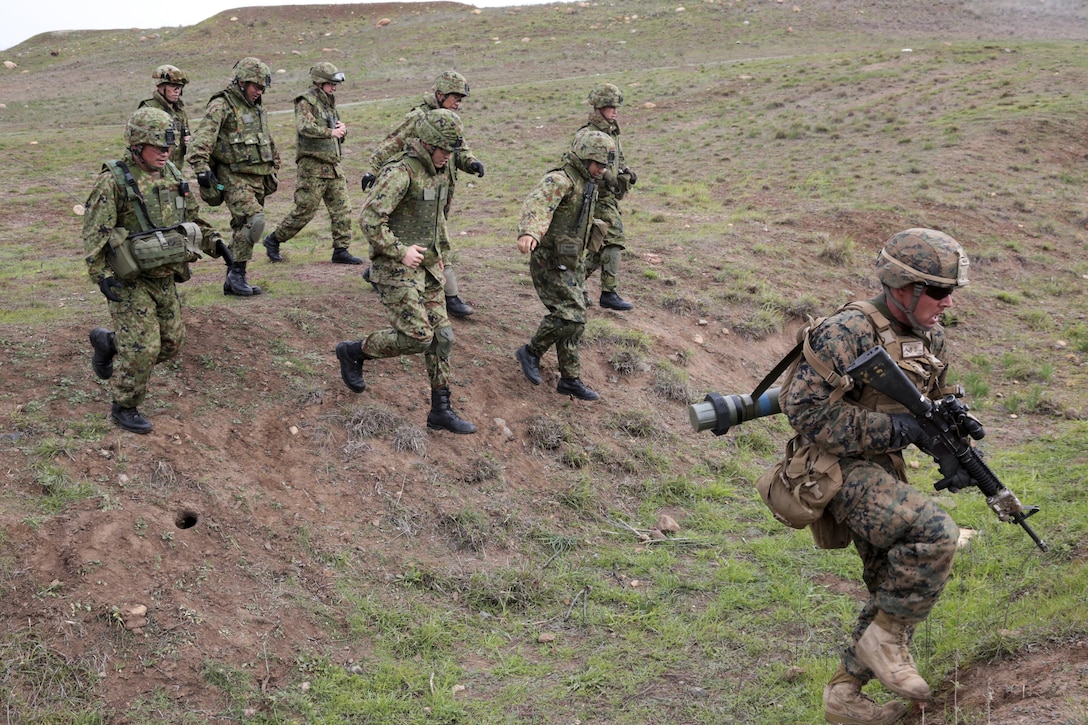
x=186 y=519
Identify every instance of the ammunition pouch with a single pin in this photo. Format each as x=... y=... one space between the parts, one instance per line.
x=799 y=487
x=598 y=232
x=130 y=255
x=568 y=251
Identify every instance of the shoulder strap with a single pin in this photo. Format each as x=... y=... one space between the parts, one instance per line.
x=127 y=182
x=780 y=368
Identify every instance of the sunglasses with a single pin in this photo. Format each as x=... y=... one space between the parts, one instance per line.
x=938 y=293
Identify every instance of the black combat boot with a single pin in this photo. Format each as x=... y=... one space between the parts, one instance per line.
x=366 y=276
x=351 y=357
x=575 y=387
x=613 y=301
x=130 y=419
x=341 y=255
x=236 y=283
x=530 y=364
x=105 y=347
x=442 y=416
x=272 y=246
x=457 y=307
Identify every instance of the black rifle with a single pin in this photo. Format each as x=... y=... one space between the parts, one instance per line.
x=948 y=428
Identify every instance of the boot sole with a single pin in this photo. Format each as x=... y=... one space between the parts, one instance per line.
x=431 y=426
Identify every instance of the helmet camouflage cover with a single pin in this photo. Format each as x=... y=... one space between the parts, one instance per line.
x=149 y=125
x=169 y=74
x=922 y=256
x=442 y=128
x=252 y=70
x=594 y=146
x=326 y=73
x=606 y=95
x=451 y=82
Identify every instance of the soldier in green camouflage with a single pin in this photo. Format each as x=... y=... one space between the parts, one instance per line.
x=555 y=225
x=450 y=88
x=320 y=177
x=905 y=541
x=404 y=222
x=235 y=160
x=140 y=193
x=618 y=179
x=170 y=82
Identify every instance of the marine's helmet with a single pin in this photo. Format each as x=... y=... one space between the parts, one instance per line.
x=169 y=74
x=922 y=256
x=451 y=82
x=150 y=126
x=606 y=95
x=594 y=146
x=326 y=72
x=252 y=70
x=442 y=128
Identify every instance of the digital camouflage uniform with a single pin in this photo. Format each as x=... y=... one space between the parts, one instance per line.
x=177 y=114
x=234 y=139
x=607 y=258
x=906 y=542
x=554 y=210
x=147 y=322
x=406 y=207
x=320 y=177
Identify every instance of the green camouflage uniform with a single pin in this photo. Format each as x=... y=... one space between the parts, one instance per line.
x=177 y=114
x=147 y=321
x=234 y=138
x=551 y=212
x=607 y=258
x=320 y=176
x=906 y=542
x=406 y=207
x=398 y=139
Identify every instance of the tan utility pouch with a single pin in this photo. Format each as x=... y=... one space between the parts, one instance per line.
x=829 y=533
x=131 y=254
x=598 y=232
x=797 y=488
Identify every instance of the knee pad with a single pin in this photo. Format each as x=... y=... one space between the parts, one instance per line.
x=442 y=343
x=610 y=259
x=255 y=227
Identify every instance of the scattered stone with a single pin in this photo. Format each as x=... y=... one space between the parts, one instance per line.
x=702 y=323
x=382 y=23
x=134 y=617
x=698 y=339
x=965 y=537
x=546 y=637
x=10 y=64
x=658 y=535
x=293 y=430
x=649 y=104
x=667 y=524
x=793 y=674
x=78 y=208
x=458 y=688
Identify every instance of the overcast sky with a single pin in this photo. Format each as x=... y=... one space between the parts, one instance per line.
x=23 y=19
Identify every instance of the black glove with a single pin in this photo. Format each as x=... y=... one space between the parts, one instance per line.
x=368 y=180
x=477 y=167
x=905 y=430
x=106 y=284
x=632 y=177
x=206 y=179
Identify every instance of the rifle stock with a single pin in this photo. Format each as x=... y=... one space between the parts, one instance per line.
x=948 y=428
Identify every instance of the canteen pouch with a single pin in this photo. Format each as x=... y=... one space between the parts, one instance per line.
x=598 y=232
x=119 y=255
x=798 y=487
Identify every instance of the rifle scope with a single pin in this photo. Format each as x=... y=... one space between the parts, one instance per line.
x=718 y=413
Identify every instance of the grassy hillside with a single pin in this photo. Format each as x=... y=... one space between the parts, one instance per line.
x=309 y=555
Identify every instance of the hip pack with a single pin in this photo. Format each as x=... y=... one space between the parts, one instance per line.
x=129 y=255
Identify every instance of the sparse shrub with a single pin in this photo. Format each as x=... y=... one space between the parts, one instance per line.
x=635 y=423
x=547 y=434
x=836 y=250
x=484 y=468
x=369 y=422
x=409 y=438
x=574 y=456
x=627 y=361
x=469 y=529
x=683 y=306
x=504 y=590
x=760 y=323
x=671 y=383
x=580 y=497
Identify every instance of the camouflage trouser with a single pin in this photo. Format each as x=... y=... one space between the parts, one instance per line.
x=417 y=314
x=906 y=543
x=608 y=258
x=309 y=193
x=244 y=196
x=148 y=330
x=563 y=292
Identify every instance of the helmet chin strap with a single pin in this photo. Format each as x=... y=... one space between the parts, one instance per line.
x=915 y=326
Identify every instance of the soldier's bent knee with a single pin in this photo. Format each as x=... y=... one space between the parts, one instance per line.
x=408 y=345
x=443 y=341
x=254 y=227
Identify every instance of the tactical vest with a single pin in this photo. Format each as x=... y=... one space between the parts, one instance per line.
x=245 y=139
x=909 y=352
x=180 y=118
x=322 y=149
x=148 y=235
x=565 y=235
x=418 y=218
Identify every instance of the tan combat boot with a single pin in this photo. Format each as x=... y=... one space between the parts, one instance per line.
x=883 y=648
x=846 y=704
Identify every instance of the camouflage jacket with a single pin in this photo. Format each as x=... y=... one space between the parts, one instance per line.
x=406 y=177
x=398 y=138
x=317 y=152
x=616 y=179
x=857 y=424
x=561 y=190
x=109 y=206
x=231 y=124
x=177 y=114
